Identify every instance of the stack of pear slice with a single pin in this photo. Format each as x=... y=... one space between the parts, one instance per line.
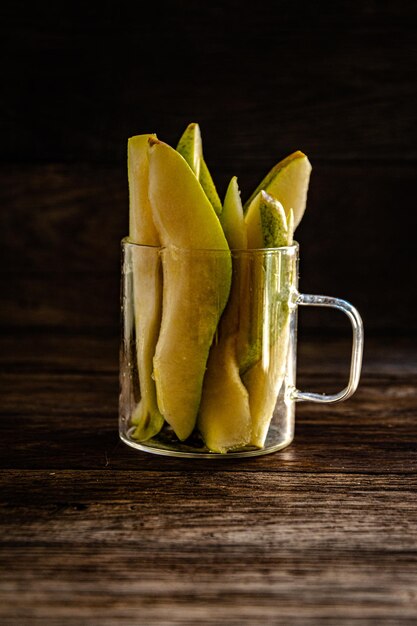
x=211 y=382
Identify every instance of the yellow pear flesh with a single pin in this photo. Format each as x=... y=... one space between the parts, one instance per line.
x=288 y=183
x=141 y=226
x=224 y=418
x=232 y=219
x=147 y=286
x=190 y=147
x=263 y=382
x=196 y=284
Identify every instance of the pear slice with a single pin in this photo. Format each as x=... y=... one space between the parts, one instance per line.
x=266 y=223
x=267 y=227
x=141 y=227
x=224 y=419
x=264 y=380
x=232 y=219
x=273 y=276
x=209 y=187
x=196 y=284
x=288 y=183
x=190 y=146
x=147 y=287
x=264 y=338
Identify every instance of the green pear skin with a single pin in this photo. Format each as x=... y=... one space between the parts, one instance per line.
x=266 y=228
x=266 y=223
x=190 y=146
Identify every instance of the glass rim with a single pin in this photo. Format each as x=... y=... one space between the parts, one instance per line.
x=293 y=247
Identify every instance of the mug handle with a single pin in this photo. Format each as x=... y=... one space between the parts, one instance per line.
x=357 y=348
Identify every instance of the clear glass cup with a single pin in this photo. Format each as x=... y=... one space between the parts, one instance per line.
x=208 y=350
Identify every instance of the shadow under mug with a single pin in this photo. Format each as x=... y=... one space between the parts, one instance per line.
x=208 y=350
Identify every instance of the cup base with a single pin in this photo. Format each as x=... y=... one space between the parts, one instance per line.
x=163 y=445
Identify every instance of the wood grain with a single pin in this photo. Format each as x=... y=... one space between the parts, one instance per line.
x=174 y=548
x=93 y=532
x=60 y=238
x=59 y=408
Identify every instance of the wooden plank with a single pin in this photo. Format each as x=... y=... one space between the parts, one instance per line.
x=71 y=217
x=59 y=409
x=326 y=439
x=236 y=548
x=25 y=353
x=60 y=236
x=61 y=301
x=60 y=217
x=322 y=532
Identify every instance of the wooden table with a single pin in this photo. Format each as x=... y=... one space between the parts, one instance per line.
x=323 y=532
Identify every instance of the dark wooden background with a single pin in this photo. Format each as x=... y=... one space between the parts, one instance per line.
x=337 y=80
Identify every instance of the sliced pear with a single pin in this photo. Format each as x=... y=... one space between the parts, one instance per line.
x=224 y=418
x=290 y=228
x=190 y=146
x=196 y=284
x=288 y=183
x=141 y=226
x=272 y=213
x=264 y=331
x=232 y=219
x=264 y=381
x=267 y=227
x=209 y=187
x=273 y=276
x=266 y=223
x=147 y=287
x=251 y=312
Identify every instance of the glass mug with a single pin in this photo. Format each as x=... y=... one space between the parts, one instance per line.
x=208 y=350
